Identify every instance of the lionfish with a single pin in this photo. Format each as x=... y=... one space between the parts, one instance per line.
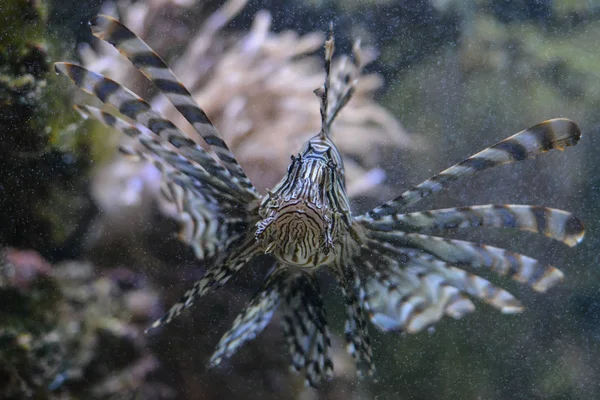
x=389 y=267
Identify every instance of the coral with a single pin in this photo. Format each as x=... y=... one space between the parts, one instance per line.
x=61 y=324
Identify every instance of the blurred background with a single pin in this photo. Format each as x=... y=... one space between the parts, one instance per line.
x=90 y=255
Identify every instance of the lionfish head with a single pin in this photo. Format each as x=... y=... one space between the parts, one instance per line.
x=299 y=221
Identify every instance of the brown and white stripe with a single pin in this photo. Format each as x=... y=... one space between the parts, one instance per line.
x=552 y=134
x=216 y=276
x=415 y=295
x=151 y=65
x=161 y=153
x=358 y=341
x=132 y=106
x=555 y=224
x=304 y=325
x=255 y=316
x=462 y=253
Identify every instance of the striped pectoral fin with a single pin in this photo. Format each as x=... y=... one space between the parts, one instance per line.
x=159 y=151
x=196 y=213
x=417 y=294
x=483 y=289
x=209 y=226
x=472 y=284
x=136 y=108
x=254 y=318
x=555 y=224
x=215 y=277
x=305 y=329
x=409 y=301
x=155 y=69
x=552 y=134
x=203 y=202
x=462 y=253
x=205 y=216
x=108 y=119
x=358 y=341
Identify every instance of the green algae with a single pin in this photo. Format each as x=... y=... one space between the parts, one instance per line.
x=44 y=165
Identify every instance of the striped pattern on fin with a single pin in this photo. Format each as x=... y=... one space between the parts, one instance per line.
x=472 y=284
x=340 y=82
x=358 y=341
x=210 y=224
x=150 y=64
x=208 y=228
x=343 y=81
x=416 y=295
x=462 y=253
x=136 y=108
x=555 y=224
x=405 y=299
x=207 y=210
x=161 y=153
x=255 y=316
x=216 y=276
x=551 y=134
x=305 y=329
x=323 y=91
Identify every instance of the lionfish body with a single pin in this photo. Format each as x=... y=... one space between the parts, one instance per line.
x=390 y=269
